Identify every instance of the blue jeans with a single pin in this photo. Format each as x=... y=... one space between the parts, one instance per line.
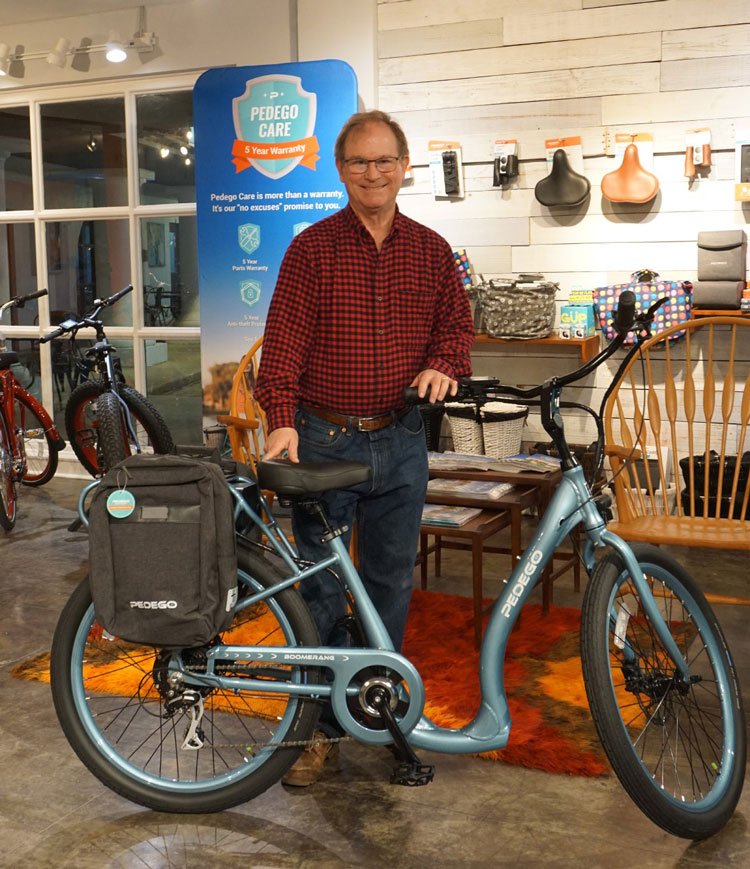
x=388 y=510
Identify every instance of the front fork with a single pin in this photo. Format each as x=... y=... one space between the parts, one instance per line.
x=647 y=600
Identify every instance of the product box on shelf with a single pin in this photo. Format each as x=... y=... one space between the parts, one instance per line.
x=577 y=321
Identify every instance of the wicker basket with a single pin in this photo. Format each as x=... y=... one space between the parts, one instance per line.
x=502 y=425
x=466 y=430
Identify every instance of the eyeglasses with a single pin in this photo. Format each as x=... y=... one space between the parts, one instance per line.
x=358 y=165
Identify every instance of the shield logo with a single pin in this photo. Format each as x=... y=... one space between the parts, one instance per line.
x=274 y=122
x=248 y=236
x=250 y=292
x=299 y=227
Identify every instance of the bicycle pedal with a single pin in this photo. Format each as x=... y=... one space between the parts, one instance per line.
x=413 y=775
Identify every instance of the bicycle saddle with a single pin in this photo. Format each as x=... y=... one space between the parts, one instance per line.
x=8 y=358
x=310 y=478
x=631 y=182
x=563 y=185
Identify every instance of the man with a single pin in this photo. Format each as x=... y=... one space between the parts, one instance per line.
x=367 y=303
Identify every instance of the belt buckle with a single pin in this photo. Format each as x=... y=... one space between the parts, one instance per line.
x=360 y=421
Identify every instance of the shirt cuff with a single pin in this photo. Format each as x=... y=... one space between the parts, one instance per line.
x=280 y=417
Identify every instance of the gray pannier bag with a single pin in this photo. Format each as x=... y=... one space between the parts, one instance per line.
x=162 y=551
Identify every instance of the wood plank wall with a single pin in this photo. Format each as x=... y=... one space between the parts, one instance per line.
x=479 y=70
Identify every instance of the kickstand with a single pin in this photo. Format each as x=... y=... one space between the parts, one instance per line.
x=411 y=772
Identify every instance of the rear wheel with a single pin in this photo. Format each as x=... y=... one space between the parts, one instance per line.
x=678 y=746
x=7 y=481
x=82 y=425
x=126 y=714
x=41 y=453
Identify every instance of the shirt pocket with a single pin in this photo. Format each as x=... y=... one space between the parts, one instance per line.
x=416 y=301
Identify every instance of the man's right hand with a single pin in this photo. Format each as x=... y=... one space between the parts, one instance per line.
x=280 y=441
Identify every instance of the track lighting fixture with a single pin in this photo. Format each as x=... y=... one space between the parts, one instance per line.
x=5 y=58
x=164 y=152
x=91 y=144
x=59 y=54
x=114 y=50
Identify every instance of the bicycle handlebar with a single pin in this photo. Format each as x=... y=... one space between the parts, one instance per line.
x=20 y=301
x=625 y=319
x=71 y=326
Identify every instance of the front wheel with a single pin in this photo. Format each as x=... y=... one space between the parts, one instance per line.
x=38 y=444
x=127 y=715
x=82 y=424
x=677 y=746
x=7 y=479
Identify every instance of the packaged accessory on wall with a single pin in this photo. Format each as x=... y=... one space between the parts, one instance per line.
x=648 y=288
x=517 y=308
x=505 y=162
x=446 y=170
x=565 y=184
x=630 y=182
x=697 y=152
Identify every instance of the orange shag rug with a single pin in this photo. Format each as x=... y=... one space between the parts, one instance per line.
x=551 y=727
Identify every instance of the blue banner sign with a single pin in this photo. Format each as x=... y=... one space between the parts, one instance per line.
x=265 y=171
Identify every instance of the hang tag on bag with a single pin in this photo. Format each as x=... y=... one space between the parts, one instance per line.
x=121 y=502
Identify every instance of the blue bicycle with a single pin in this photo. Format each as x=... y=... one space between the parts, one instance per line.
x=203 y=729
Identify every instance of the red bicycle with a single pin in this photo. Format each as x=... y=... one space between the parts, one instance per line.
x=29 y=441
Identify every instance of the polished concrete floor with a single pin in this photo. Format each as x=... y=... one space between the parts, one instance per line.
x=53 y=813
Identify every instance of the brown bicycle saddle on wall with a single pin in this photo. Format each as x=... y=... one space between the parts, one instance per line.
x=563 y=185
x=631 y=182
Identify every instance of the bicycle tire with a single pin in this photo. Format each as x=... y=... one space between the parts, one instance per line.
x=39 y=447
x=81 y=424
x=128 y=742
x=678 y=749
x=113 y=437
x=7 y=481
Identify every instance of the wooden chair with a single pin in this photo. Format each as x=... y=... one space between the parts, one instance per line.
x=246 y=417
x=675 y=432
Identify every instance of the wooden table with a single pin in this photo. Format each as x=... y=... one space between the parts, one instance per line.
x=476 y=531
x=543 y=486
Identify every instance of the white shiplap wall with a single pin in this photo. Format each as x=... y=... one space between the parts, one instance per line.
x=479 y=70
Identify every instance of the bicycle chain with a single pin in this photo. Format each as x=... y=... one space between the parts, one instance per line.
x=289 y=743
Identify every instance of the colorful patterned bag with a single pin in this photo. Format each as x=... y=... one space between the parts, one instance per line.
x=648 y=288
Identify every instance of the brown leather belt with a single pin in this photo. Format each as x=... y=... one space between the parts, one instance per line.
x=359 y=423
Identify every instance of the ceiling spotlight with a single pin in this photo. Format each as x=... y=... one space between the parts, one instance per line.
x=164 y=152
x=183 y=150
x=188 y=161
x=190 y=135
x=115 y=50
x=58 y=55
x=91 y=144
x=4 y=58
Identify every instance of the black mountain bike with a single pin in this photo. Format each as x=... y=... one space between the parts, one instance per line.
x=106 y=420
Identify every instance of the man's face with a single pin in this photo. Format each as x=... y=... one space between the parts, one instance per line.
x=371 y=191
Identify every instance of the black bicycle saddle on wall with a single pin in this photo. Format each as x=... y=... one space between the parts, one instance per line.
x=563 y=185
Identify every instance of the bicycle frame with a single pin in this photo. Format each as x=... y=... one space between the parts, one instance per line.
x=570 y=505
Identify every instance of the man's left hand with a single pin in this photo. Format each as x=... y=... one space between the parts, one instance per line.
x=434 y=384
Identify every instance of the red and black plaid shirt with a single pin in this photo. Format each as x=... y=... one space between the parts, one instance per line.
x=349 y=327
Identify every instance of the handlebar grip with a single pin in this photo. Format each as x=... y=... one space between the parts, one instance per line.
x=55 y=333
x=105 y=303
x=20 y=301
x=411 y=396
x=625 y=314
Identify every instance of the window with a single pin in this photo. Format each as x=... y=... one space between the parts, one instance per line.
x=111 y=211
x=84 y=154
x=15 y=160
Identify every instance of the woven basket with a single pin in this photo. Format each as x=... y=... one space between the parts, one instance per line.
x=502 y=426
x=466 y=430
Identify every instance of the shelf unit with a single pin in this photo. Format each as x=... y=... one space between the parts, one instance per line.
x=718 y=312
x=587 y=347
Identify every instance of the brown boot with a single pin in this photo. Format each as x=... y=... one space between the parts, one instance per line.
x=308 y=767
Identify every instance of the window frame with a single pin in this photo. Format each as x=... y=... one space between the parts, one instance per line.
x=128 y=89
